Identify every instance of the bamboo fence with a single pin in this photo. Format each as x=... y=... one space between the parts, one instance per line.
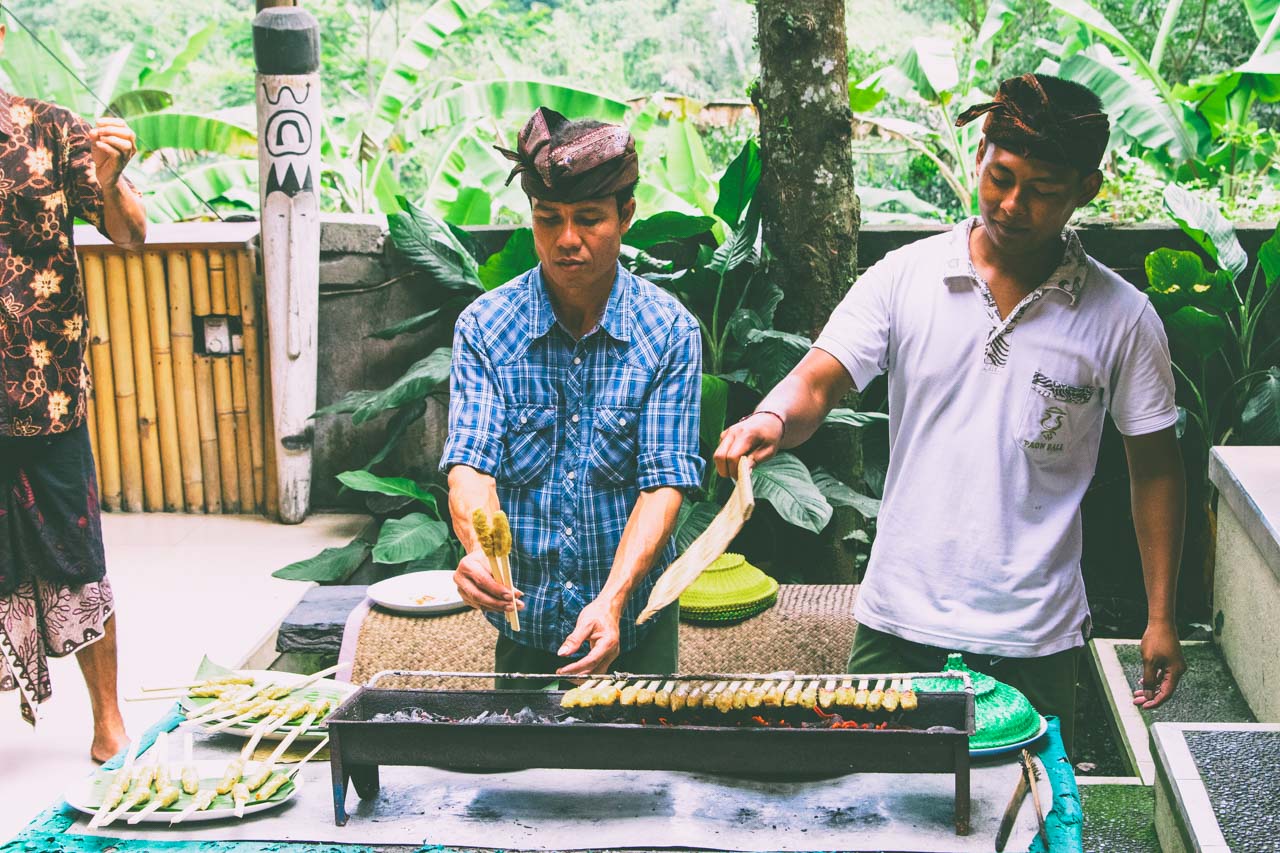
x=176 y=426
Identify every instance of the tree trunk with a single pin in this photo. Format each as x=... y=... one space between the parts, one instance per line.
x=809 y=209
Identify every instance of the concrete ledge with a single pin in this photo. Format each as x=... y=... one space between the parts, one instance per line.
x=1126 y=721
x=1185 y=819
x=1248 y=479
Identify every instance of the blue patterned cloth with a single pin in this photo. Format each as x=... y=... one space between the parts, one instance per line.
x=572 y=431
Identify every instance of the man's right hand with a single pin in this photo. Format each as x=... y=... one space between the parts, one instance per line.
x=757 y=437
x=478 y=588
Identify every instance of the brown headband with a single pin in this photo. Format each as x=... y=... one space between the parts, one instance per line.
x=597 y=162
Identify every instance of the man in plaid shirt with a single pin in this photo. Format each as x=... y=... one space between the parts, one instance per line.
x=574 y=405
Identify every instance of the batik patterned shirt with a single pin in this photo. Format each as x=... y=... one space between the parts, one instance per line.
x=572 y=430
x=47 y=180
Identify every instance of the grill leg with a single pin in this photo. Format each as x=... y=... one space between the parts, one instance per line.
x=962 y=788
x=339 y=789
x=365 y=779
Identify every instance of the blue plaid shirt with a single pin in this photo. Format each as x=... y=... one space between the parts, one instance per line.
x=572 y=430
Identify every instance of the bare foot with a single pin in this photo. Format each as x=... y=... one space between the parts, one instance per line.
x=107 y=743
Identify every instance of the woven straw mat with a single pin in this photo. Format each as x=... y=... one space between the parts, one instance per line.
x=809 y=630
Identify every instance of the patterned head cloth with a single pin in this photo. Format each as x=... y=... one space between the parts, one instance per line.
x=1025 y=119
x=559 y=160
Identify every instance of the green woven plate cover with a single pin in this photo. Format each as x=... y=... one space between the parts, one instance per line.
x=722 y=615
x=729 y=583
x=1002 y=715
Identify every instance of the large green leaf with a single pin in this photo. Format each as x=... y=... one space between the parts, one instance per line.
x=413 y=537
x=999 y=14
x=413 y=324
x=1261 y=15
x=738 y=185
x=1203 y=223
x=784 y=482
x=715 y=408
x=740 y=247
x=1260 y=421
x=429 y=244
x=332 y=565
x=694 y=518
x=685 y=165
x=1269 y=257
x=191 y=132
x=930 y=64
x=1195 y=332
x=494 y=100
x=1181 y=279
x=771 y=354
x=420 y=379
x=397 y=426
x=517 y=256
x=402 y=82
x=839 y=494
x=1135 y=104
x=665 y=227
x=346 y=404
x=141 y=101
x=363 y=481
x=33 y=74
x=471 y=206
x=173 y=201
x=169 y=75
x=851 y=418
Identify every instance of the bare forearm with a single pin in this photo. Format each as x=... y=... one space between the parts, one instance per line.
x=1159 y=507
x=650 y=525
x=123 y=217
x=469 y=490
x=805 y=396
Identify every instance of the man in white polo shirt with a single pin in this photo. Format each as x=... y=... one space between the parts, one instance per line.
x=1005 y=345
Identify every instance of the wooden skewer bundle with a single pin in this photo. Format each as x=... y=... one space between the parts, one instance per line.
x=740 y=694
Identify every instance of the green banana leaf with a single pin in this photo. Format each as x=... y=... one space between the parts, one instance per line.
x=490 y=100
x=172 y=202
x=191 y=132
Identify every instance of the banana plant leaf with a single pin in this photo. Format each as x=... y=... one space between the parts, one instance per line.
x=192 y=132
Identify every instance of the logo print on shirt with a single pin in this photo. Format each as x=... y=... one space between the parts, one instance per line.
x=1052 y=421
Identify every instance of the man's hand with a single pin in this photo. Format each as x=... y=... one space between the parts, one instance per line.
x=113 y=147
x=757 y=437
x=1162 y=666
x=478 y=588
x=597 y=625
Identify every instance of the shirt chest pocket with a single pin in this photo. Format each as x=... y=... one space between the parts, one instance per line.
x=1057 y=418
x=613 y=445
x=35 y=222
x=529 y=445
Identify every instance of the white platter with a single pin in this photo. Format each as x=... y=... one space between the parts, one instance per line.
x=86 y=795
x=337 y=691
x=405 y=593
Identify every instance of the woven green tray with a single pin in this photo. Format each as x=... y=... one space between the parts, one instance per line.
x=1002 y=715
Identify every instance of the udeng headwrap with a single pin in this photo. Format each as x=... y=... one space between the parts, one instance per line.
x=1023 y=119
x=597 y=162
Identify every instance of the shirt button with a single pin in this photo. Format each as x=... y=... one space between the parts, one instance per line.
x=622 y=421
x=524 y=419
x=574 y=419
x=568 y=584
x=573 y=475
x=568 y=531
x=577 y=360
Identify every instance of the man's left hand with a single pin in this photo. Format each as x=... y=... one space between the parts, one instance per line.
x=113 y=147
x=597 y=625
x=1162 y=666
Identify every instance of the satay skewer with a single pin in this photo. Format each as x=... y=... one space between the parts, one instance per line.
x=208 y=682
x=166 y=796
x=190 y=777
x=203 y=801
x=495 y=541
x=119 y=785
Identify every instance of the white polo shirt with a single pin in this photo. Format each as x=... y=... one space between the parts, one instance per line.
x=994 y=428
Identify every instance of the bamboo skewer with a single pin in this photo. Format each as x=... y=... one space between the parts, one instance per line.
x=162 y=373
x=239 y=387
x=253 y=367
x=144 y=383
x=494 y=536
x=100 y=348
x=203 y=369
x=1033 y=773
x=184 y=381
x=122 y=369
x=121 y=781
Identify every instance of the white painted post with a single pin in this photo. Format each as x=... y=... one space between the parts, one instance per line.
x=286 y=47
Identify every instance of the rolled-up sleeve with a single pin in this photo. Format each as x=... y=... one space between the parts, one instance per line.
x=668 y=437
x=477 y=414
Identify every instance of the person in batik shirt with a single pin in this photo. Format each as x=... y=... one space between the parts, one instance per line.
x=54 y=596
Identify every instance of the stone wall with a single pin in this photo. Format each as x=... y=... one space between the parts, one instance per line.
x=366 y=286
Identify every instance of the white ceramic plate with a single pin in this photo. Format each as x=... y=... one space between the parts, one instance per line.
x=86 y=795
x=336 y=691
x=418 y=592
x=1010 y=747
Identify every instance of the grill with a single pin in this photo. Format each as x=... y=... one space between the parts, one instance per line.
x=456 y=730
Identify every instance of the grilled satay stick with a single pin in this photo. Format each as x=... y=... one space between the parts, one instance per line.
x=143 y=777
x=190 y=775
x=319 y=708
x=235 y=769
x=680 y=695
x=756 y=697
x=259 y=776
x=724 y=698
x=809 y=695
x=648 y=692
x=697 y=693
x=240 y=796
x=891 y=697
x=207 y=682
x=137 y=797
x=572 y=697
x=502 y=548
x=490 y=535
x=845 y=693
x=909 y=701
x=663 y=697
x=607 y=693
x=773 y=698
x=876 y=696
x=792 y=697
x=827 y=694
x=275 y=783
x=166 y=796
x=119 y=785
x=224 y=707
x=265 y=709
x=203 y=800
x=161 y=747
x=628 y=694
x=742 y=695
x=860 y=698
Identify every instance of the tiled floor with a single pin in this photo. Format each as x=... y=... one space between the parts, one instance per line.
x=185 y=586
